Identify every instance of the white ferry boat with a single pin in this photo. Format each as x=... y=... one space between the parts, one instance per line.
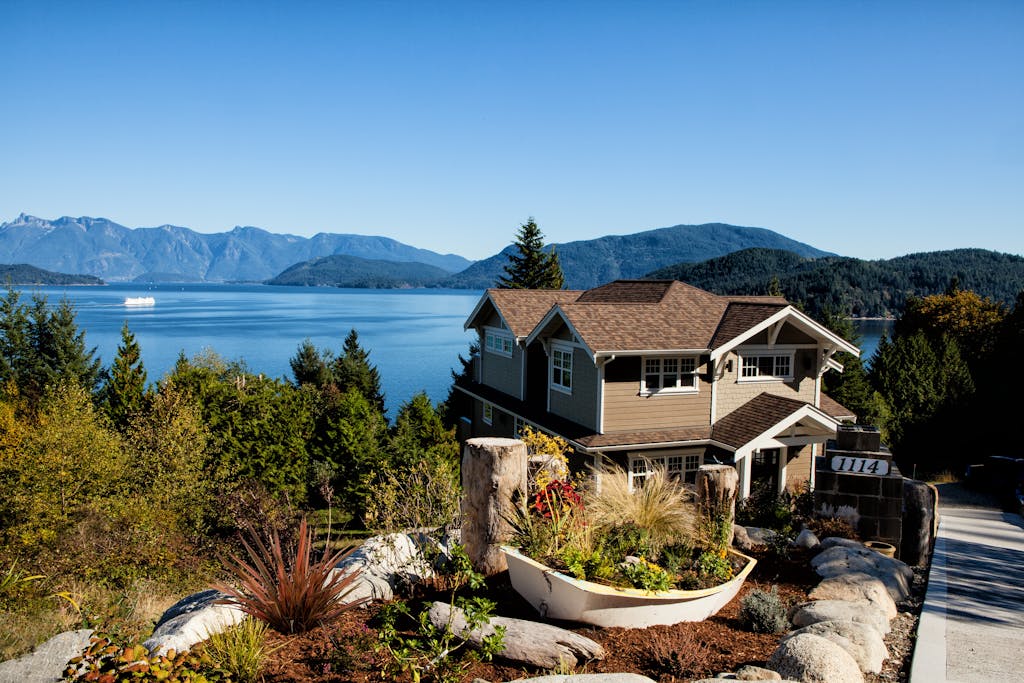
x=139 y=301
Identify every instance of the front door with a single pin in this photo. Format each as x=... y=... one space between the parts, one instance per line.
x=764 y=469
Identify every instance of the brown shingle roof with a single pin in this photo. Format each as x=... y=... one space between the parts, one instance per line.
x=740 y=317
x=835 y=409
x=753 y=418
x=656 y=315
x=524 y=308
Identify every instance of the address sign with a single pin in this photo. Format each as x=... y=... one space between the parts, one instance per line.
x=850 y=465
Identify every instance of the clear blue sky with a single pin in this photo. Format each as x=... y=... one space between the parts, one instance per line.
x=870 y=129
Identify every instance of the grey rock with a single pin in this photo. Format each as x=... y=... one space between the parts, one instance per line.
x=806 y=539
x=47 y=662
x=920 y=502
x=862 y=641
x=835 y=541
x=759 y=536
x=840 y=559
x=192 y=620
x=390 y=563
x=740 y=539
x=840 y=610
x=813 y=659
x=588 y=678
x=856 y=586
x=756 y=673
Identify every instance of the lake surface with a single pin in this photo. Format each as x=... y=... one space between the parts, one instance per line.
x=414 y=337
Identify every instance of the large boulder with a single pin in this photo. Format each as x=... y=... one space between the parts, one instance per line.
x=813 y=659
x=389 y=563
x=840 y=610
x=845 y=557
x=862 y=641
x=192 y=620
x=588 y=678
x=756 y=673
x=47 y=662
x=856 y=586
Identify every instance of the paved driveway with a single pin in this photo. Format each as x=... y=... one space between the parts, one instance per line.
x=972 y=622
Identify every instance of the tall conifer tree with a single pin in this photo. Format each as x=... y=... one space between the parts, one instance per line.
x=353 y=370
x=124 y=393
x=531 y=267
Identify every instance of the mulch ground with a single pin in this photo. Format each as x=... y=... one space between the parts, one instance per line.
x=343 y=652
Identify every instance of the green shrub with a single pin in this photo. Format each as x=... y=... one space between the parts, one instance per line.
x=292 y=593
x=240 y=650
x=763 y=611
x=648 y=576
x=712 y=566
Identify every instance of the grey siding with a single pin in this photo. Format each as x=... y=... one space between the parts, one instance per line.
x=581 y=405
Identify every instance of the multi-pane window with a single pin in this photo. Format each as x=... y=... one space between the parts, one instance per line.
x=488 y=413
x=561 y=369
x=683 y=466
x=669 y=374
x=498 y=342
x=767 y=366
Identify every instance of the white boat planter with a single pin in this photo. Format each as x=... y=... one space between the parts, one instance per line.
x=558 y=596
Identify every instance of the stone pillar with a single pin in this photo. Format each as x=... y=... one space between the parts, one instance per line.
x=494 y=478
x=920 y=505
x=716 y=491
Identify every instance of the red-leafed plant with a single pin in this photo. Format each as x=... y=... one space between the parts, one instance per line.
x=291 y=592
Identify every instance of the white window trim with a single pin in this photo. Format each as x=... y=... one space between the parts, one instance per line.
x=644 y=391
x=791 y=354
x=503 y=337
x=487 y=413
x=655 y=460
x=561 y=349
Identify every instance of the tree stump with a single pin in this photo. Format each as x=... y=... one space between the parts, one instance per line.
x=717 y=486
x=494 y=476
x=526 y=642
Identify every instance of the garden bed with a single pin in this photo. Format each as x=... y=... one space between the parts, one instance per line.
x=668 y=654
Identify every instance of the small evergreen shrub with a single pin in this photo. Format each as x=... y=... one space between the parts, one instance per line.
x=763 y=611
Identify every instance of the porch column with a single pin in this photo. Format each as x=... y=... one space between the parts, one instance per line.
x=742 y=458
x=780 y=485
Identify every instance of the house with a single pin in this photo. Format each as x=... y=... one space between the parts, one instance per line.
x=652 y=372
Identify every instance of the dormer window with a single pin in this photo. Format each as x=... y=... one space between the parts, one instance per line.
x=766 y=367
x=498 y=342
x=669 y=374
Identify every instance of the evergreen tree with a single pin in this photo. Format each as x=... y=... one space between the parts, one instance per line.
x=15 y=350
x=420 y=435
x=457 y=403
x=532 y=267
x=311 y=366
x=123 y=394
x=851 y=386
x=353 y=370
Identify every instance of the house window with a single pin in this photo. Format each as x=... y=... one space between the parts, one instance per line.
x=682 y=466
x=488 y=414
x=669 y=375
x=498 y=342
x=761 y=367
x=561 y=369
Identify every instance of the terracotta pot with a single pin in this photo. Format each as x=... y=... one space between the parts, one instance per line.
x=886 y=549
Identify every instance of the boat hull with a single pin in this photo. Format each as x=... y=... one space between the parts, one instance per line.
x=557 y=596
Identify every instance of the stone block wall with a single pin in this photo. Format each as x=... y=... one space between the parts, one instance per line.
x=878 y=500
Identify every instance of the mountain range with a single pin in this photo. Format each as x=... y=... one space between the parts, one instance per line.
x=100 y=247
x=588 y=263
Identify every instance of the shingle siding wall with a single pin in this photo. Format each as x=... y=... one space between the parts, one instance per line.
x=798 y=468
x=502 y=372
x=731 y=394
x=626 y=410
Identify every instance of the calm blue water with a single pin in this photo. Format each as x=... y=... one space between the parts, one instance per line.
x=414 y=336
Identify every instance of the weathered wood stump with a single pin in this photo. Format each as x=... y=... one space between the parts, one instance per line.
x=717 y=486
x=494 y=475
x=525 y=642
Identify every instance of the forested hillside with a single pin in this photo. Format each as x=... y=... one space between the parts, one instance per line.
x=24 y=274
x=589 y=263
x=853 y=286
x=352 y=271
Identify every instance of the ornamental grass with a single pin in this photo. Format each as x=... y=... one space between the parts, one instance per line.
x=289 y=590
